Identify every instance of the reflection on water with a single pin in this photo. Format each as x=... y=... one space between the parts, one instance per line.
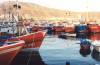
x=56 y=51
x=95 y=55
x=85 y=50
x=30 y=57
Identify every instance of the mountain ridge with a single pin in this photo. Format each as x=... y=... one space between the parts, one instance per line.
x=37 y=11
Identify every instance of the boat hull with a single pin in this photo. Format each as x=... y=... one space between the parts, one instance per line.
x=58 y=29
x=69 y=29
x=95 y=37
x=8 y=52
x=81 y=31
x=94 y=28
x=38 y=28
x=33 y=40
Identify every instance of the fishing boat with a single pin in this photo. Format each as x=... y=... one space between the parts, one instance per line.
x=69 y=28
x=49 y=30
x=94 y=28
x=37 y=28
x=95 y=37
x=32 y=40
x=58 y=29
x=16 y=30
x=8 y=51
x=81 y=31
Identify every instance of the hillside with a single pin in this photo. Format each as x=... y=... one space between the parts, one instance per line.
x=31 y=10
x=35 y=11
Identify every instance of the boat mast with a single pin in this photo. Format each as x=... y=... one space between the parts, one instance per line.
x=20 y=28
x=17 y=10
x=9 y=12
x=17 y=14
x=87 y=19
x=4 y=10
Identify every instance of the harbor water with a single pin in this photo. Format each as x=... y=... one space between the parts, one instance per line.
x=56 y=51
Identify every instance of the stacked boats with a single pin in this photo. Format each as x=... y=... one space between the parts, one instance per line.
x=11 y=44
x=14 y=36
x=83 y=30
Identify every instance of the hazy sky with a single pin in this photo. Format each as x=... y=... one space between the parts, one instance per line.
x=74 y=5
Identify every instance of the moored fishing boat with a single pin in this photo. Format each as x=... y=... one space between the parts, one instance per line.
x=58 y=29
x=95 y=37
x=94 y=28
x=38 y=28
x=32 y=40
x=8 y=51
x=18 y=31
x=69 y=28
x=81 y=31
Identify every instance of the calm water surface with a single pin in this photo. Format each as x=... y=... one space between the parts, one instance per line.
x=56 y=51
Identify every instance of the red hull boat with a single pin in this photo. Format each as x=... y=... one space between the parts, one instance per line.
x=69 y=29
x=32 y=40
x=58 y=28
x=95 y=37
x=94 y=28
x=9 y=51
x=38 y=28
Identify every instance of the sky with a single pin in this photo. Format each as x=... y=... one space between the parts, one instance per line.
x=70 y=5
